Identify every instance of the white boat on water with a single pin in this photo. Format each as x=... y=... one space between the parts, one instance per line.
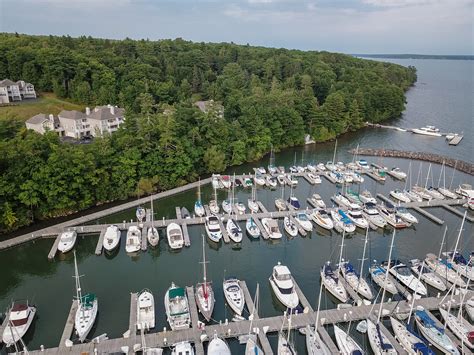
x=234 y=295
x=413 y=196
x=303 y=220
x=283 y=286
x=253 y=205
x=280 y=204
x=111 y=238
x=252 y=228
x=322 y=219
x=345 y=343
x=199 y=209
x=400 y=196
x=145 y=310
x=435 y=193
x=422 y=192
x=140 y=213
x=213 y=206
x=67 y=240
x=342 y=223
x=20 y=316
x=447 y=193
x=153 y=236
x=234 y=231
x=317 y=201
x=217 y=346
x=378 y=274
x=313 y=178
x=388 y=213
x=427 y=131
x=213 y=228
x=355 y=281
x=357 y=218
x=444 y=269
x=398 y=173
x=290 y=227
x=281 y=179
x=362 y=163
x=410 y=341
x=332 y=283
x=134 y=239
x=372 y=215
x=465 y=190
x=204 y=294
x=403 y=274
x=175 y=236
x=240 y=207
x=225 y=181
x=366 y=197
x=460 y=327
x=227 y=206
x=271 y=181
x=285 y=346
x=426 y=274
x=378 y=341
x=343 y=201
x=215 y=180
x=403 y=213
x=182 y=348
x=177 y=308
x=271 y=227
x=460 y=264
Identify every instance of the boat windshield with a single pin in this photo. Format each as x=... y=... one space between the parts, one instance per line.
x=283 y=277
x=302 y=216
x=403 y=270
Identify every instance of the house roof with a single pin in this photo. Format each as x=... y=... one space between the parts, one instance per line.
x=103 y=113
x=7 y=82
x=38 y=119
x=75 y=115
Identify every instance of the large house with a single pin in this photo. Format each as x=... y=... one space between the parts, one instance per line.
x=105 y=119
x=42 y=123
x=75 y=124
x=11 y=91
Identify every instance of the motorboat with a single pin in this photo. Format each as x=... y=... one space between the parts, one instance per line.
x=20 y=316
x=373 y=216
x=366 y=197
x=290 y=227
x=321 y=167
x=248 y=182
x=213 y=228
x=259 y=180
x=281 y=179
x=460 y=264
x=400 y=195
x=336 y=177
x=218 y=346
x=213 y=207
x=317 y=201
x=185 y=213
x=111 y=238
x=311 y=168
x=280 y=204
x=355 y=281
x=252 y=228
x=253 y=205
x=199 y=209
x=380 y=174
x=357 y=218
x=293 y=201
x=465 y=190
x=177 y=308
x=362 y=163
x=182 y=348
x=234 y=295
x=332 y=283
x=293 y=169
x=353 y=197
x=227 y=206
x=460 y=327
x=153 y=236
x=378 y=341
x=204 y=294
x=322 y=219
x=261 y=170
x=145 y=310
x=345 y=343
x=343 y=201
x=330 y=166
x=398 y=173
x=378 y=275
x=226 y=182
x=303 y=220
x=283 y=286
x=67 y=240
x=427 y=131
x=240 y=207
x=313 y=178
x=271 y=227
x=435 y=193
x=140 y=214
x=342 y=223
x=427 y=275
x=347 y=178
x=390 y=216
x=403 y=274
x=234 y=231
x=175 y=236
x=134 y=239
x=444 y=269
x=271 y=181
x=358 y=178
x=403 y=213
x=281 y=169
x=433 y=333
x=410 y=341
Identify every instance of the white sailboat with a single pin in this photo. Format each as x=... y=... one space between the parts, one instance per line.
x=234 y=295
x=460 y=327
x=444 y=269
x=152 y=234
x=332 y=283
x=218 y=346
x=145 y=310
x=204 y=293
x=446 y=191
x=366 y=197
x=280 y=203
x=198 y=207
x=213 y=204
x=252 y=347
x=285 y=345
x=252 y=228
x=252 y=202
x=233 y=229
x=378 y=341
x=410 y=341
x=290 y=226
x=111 y=238
x=403 y=274
x=314 y=343
x=346 y=344
x=427 y=275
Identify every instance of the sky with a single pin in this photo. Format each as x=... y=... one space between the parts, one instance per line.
x=348 y=26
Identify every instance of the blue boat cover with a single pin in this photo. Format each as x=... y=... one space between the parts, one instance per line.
x=344 y=218
x=427 y=320
x=459 y=259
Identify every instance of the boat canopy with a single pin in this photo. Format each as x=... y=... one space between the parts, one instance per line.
x=176 y=292
x=427 y=321
x=88 y=300
x=459 y=259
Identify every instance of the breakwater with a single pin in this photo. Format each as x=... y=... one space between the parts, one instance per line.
x=460 y=165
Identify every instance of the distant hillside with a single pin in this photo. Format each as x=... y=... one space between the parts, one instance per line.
x=416 y=56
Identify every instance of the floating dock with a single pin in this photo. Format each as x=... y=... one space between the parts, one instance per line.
x=100 y=243
x=456 y=140
x=69 y=326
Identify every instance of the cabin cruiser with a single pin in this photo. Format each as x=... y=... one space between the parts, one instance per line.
x=460 y=264
x=336 y=177
x=234 y=295
x=322 y=218
x=342 y=222
x=332 y=283
x=357 y=218
x=175 y=236
x=20 y=316
x=465 y=190
x=293 y=181
x=321 y=166
x=290 y=227
x=272 y=170
x=252 y=228
x=213 y=228
x=378 y=275
x=363 y=164
x=145 y=310
x=353 y=197
x=234 y=231
x=177 y=308
x=182 y=348
x=134 y=239
x=283 y=286
x=403 y=213
x=403 y=274
x=410 y=341
x=330 y=166
x=444 y=269
x=111 y=238
x=400 y=196
x=427 y=131
x=311 y=168
x=293 y=169
x=271 y=227
x=313 y=178
x=389 y=214
x=304 y=221
x=355 y=281
x=280 y=204
x=426 y=274
x=293 y=201
x=372 y=215
x=398 y=173
x=343 y=201
x=317 y=201
x=366 y=197
x=261 y=170
x=67 y=241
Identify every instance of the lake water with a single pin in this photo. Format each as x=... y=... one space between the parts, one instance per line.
x=443 y=97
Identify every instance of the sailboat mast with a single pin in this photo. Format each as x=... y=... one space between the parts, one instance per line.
x=342 y=247
x=440 y=174
x=78 y=283
x=442 y=242
x=416 y=289
x=363 y=257
x=428 y=175
x=460 y=231
x=452 y=176
x=204 y=283
x=255 y=309
x=152 y=213
x=334 y=156
x=386 y=276
x=319 y=306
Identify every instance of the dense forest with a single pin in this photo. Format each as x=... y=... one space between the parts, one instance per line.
x=272 y=97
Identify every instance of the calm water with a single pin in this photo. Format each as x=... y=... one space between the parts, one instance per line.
x=442 y=96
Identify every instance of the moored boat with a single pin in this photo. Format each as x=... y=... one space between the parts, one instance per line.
x=427 y=131
x=366 y=197
x=322 y=218
x=20 y=316
x=145 y=310
x=177 y=308
x=213 y=228
x=332 y=283
x=174 y=235
x=234 y=231
x=378 y=341
x=153 y=236
x=346 y=344
x=252 y=228
x=355 y=281
x=111 y=238
x=283 y=287
x=217 y=346
x=372 y=215
x=204 y=293
x=134 y=239
x=234 y=295
x=378 y=275
x=290 y=227
x=303 y=220
x=271 y=227
x=427 y=275
x=317 y=201
x=67 y=240
x=403 y=274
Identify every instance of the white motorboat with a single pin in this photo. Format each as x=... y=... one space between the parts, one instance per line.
x=321 y=167
x=410 y=341
x=427 y=275
x=311 y=168
x=332 y=283
x=283 y=287
x=398 y=173
x=182 y=348
x=67 y=240
x=355 y=281
x=315 y=179
x=343 y=201
x=111 y=238
x=447 y=193
x=460 y=264
x=342 y=223
x=293 y=169
x=403 y=213
x=290 y=227
x=378 y=276
x=261 y=170
x=175 y=236
x=427 y=131
x=87 y=308
x=378 y=341
x=366 y=197
x=281 y=179
x=280 y=204
x=234 y=231
x=348 y=178
x=317 y=201
x=362 y=163
x=322 y=219
x=213 y=228
x=20 y=316
x=372 y=215
x=253 y=205
x=390 y=216
x=465 y=190
x=153 y=236
x=357 y=218
x=145 y=310
x=204 y=293
x=293 y=202
x=234 y=295
x=433 y=333
x=252 y=228
x=345 y=343
x=227 y=206
x=213 y=207
x=271 y=227
x=134 y=239
x=217 y=346
x=225 y=180
x=271 y=181
x=335 y=176
x=177 y=308
x=330 y=166
x=400 y=195
x=259 y=180
x=460 y=327
x=304 y=221
x=444 y=269
x=140 y=214
x=403 y=274
x=293 y=181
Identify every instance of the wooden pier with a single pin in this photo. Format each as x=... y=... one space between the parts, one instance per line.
x=194 y=319
x=69 y=326
x=54 y=248
x=225 y=235
x=263 y=231
x=132 y=320
x=303 y=300
x=100 y=243
x=144 y=243
x=428 y=215
x=262 y=207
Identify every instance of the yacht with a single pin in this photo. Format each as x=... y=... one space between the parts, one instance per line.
x=378 y=275
x=389 y=214
x=427 y=131
x=410 y=341
x=271 y=181
x=145 y=310
x=271 y=227
x=342 y=223
x=134 y=239
x=234 y=295
x=403 y=274
x=357 y=218
x=400 y=195
x=465 y=190
x=317 y=201
x=422 y=192
x=283 y=287
x=332 y=283
x=336 y=177
x=321 y=167
x=252 y=228
x=182 y=348
x=330 y=166
x=20 y=316
x=175 y=236
x=363 y=164
x=234 y=231
x=314 y=178
x=372 y=215
x=177 y=308
x=290 y=227
x=345 y=343
x=111 y=238
x=314 y=344
x=353 y=197
x=460 y=327
x=67 y=241
x=304 y=221
x=355 y=281
x=259 y=180
x=403 y=213
x=413 y=196
x=322 y=219
x=444 y=269
x=213 y=228
x=311 y=168
x=215 y=180
x=378 y=341
x=218 y=346
x=366 y=197
x=293 y=181
x=398 y=173
x=426 y=274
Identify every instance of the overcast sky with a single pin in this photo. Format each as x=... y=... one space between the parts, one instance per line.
x=350 y=26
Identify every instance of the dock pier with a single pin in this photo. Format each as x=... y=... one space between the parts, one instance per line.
x=100 y=243
x=303 y=300
x=262 y=207
x=132 y=320
x=145 y=238
x=225 y=235
x=69 y=326
x=428 y=215
x=54 y=248
x=194 y=320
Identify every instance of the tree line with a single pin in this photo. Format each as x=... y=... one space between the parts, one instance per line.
x=271 y=97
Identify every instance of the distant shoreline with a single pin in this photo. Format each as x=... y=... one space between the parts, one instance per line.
x=416 y=56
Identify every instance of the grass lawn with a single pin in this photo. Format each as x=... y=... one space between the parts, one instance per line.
x=47 y=103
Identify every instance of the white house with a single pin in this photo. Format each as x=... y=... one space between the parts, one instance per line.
x=27 y=90
x=74 y=123
x=104 y=119
x=42 y=123
x=9 y=91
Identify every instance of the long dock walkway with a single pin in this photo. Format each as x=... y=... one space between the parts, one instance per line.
x=69 y=327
